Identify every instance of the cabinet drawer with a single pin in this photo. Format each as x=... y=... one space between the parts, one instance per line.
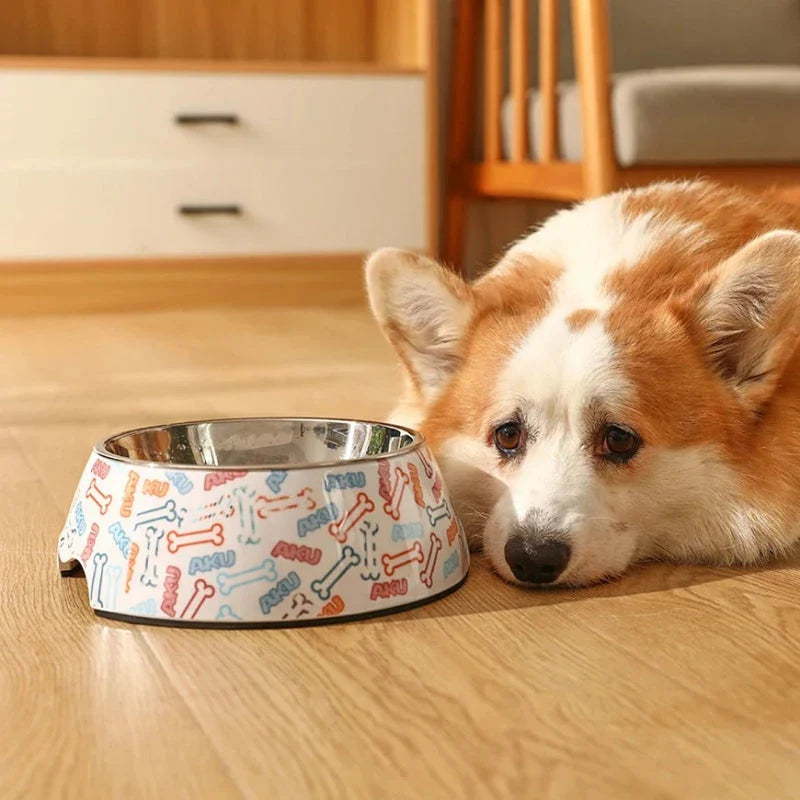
x=96 y=212
x=57 y=115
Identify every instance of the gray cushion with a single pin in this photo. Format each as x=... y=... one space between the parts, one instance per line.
x=688 y=115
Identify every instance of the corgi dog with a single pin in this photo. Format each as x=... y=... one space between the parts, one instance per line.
x=624 y=385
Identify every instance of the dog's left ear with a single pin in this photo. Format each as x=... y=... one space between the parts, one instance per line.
x=749 y=312
x=424 y=310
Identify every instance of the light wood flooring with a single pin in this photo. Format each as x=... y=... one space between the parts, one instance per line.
x=671 y=683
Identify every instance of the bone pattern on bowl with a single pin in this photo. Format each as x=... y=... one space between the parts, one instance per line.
x=260 y=546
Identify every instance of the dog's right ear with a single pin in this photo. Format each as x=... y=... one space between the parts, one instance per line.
x=424 y=310
x=749 y=310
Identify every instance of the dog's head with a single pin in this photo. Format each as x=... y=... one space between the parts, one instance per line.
x=595 y=399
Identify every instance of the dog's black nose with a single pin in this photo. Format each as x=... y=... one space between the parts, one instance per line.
x=534 y=561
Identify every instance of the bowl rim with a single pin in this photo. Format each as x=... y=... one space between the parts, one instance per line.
x=418 y=441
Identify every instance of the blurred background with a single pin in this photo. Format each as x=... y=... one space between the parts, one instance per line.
x=262 y=147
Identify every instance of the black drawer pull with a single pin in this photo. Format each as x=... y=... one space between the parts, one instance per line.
x=194 y=210
x=207 y=119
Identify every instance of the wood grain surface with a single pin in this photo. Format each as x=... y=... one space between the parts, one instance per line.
x=362 y=31
x=671 y=683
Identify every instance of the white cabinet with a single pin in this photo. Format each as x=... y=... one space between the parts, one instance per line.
x=99 y=163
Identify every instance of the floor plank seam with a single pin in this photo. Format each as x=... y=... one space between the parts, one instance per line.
x=671 y=676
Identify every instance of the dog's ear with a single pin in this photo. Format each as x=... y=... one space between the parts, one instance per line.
x=424 y=310
x=749 y=312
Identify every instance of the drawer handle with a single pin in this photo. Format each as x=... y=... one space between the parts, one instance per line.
x=207 y=119
x=194 y=210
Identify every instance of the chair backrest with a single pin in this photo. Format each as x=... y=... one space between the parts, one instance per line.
x=646 y=34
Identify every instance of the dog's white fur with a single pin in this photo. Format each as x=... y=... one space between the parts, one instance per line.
x=684 y=502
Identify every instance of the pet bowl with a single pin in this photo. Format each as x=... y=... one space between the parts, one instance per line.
x=262 y=522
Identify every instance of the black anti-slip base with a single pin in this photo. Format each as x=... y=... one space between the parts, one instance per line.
x=289 y=623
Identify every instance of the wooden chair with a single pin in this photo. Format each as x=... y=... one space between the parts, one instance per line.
x=520 y=175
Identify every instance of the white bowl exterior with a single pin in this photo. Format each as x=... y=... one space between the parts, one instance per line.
x=215 y=546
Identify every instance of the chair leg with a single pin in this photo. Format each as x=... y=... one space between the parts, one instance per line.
x=462 y=125
x=455 y=230
x=593 y=62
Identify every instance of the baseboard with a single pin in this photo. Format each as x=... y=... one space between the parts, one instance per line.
x=44 y=287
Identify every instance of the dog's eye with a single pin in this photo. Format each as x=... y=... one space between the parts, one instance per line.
x=619 y=444
x=508 y=438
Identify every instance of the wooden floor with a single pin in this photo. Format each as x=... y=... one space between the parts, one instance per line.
x=674 y=682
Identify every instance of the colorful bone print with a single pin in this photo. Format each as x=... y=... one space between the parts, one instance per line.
x=265 y=546
x=395 y=498
x=356 y=512
x=393 y=561
x=369 y=559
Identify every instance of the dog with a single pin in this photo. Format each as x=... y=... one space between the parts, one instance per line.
x=623 y=386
